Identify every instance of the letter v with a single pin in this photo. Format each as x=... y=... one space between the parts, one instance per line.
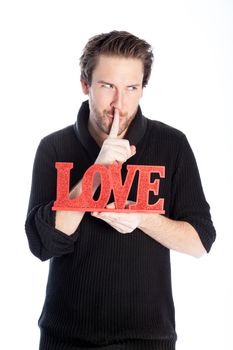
x=121 y=191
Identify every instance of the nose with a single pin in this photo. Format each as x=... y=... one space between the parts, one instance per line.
x=118 y=100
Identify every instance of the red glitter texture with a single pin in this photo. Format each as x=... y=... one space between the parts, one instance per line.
x=111 y=180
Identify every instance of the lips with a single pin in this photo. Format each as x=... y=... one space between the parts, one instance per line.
x=112 y=116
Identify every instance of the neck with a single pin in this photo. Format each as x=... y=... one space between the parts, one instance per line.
x=99 y=139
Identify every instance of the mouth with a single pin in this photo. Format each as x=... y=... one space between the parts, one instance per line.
x=111 y=116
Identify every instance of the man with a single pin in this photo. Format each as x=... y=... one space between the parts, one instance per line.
x=109 y=284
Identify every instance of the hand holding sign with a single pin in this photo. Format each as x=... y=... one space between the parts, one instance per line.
x=122 y=222
x=115 y=149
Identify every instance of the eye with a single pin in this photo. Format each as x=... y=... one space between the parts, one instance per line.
x=107 y=86
x=132 y=88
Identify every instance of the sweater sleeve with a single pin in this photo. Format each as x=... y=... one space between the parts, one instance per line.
x=44 y=240
x=188 y=199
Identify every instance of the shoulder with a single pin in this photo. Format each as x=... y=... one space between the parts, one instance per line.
x=165 y=135
x=63 y=135
x=165 y=130
x=58 y=144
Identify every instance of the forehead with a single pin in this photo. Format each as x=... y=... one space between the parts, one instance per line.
x=118 y=69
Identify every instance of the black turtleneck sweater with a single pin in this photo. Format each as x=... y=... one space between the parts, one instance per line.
x=108 y=290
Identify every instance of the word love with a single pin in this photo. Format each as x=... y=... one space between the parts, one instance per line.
x=111 y=181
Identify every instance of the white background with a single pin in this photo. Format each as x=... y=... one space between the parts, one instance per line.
x=191 y=88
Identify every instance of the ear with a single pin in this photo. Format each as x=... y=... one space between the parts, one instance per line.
x=85 y=86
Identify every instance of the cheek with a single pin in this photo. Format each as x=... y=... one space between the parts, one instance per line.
x=103 y=97
x=132 y=101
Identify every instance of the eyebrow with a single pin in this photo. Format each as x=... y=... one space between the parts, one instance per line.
x=106 y=82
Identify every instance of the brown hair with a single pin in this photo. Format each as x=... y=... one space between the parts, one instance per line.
x=115 y=43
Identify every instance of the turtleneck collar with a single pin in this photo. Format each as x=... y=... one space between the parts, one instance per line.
x=134 y=133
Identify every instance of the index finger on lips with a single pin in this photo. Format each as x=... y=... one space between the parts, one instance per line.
x=115 y=125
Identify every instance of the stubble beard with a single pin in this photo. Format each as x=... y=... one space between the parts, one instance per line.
x=102 y=120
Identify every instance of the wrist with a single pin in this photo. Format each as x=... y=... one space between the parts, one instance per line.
x=150 y=221
x=144 y=221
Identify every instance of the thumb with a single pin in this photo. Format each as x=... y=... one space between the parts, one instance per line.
x=133 y=150
x=110 y=205
x=128 y=203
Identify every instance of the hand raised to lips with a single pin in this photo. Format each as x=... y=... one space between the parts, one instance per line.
x=115 y=124
x=115 y=149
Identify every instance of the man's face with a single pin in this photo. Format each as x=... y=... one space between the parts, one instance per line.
x=116 y=83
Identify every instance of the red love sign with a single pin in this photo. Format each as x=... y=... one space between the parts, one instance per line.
x=110 y=181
